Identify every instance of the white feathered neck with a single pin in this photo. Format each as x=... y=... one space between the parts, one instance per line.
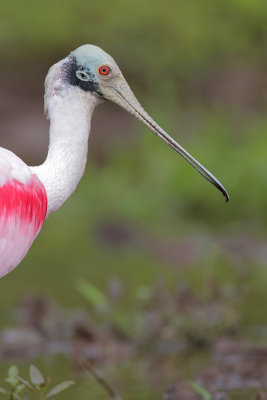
x=70 y=110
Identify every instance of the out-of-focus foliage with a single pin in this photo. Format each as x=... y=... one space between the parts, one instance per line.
x=20 y=389
x=158 y=42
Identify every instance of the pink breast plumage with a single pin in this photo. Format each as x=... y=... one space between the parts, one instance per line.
x=22 y=213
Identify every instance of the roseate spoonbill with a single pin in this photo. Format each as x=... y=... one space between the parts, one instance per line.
x=73 y=87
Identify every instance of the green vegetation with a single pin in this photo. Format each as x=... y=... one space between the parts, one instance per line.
x=204 y=394
x=37 y=388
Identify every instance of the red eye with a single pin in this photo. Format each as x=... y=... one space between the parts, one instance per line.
x=104 y=70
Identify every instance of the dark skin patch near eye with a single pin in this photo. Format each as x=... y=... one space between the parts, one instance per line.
x=70 y=68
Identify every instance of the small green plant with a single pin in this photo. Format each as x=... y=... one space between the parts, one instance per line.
x=37 y=388
x=200 y=390
x=99 y=302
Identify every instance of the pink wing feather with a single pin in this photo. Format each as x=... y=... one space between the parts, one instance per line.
x=23 y=206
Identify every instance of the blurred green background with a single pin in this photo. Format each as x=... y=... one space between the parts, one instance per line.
x=141 y=215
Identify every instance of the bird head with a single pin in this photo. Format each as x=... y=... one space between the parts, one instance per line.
x=93 y=70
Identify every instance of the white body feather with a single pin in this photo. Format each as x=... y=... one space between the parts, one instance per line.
x=70 y=110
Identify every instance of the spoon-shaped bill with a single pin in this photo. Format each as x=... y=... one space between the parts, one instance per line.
x=123 y=96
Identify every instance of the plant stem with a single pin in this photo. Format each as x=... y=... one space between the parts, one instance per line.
x=108 y=388
x=41 y=395
x=11 y=397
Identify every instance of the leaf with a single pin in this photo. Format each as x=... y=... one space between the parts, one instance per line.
x=13 y=372
x=59 y=388
x=17 y=396
x=19 y=388
x=203 y=392
x=3 y=391
x=36 y=376
x=91 y=293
